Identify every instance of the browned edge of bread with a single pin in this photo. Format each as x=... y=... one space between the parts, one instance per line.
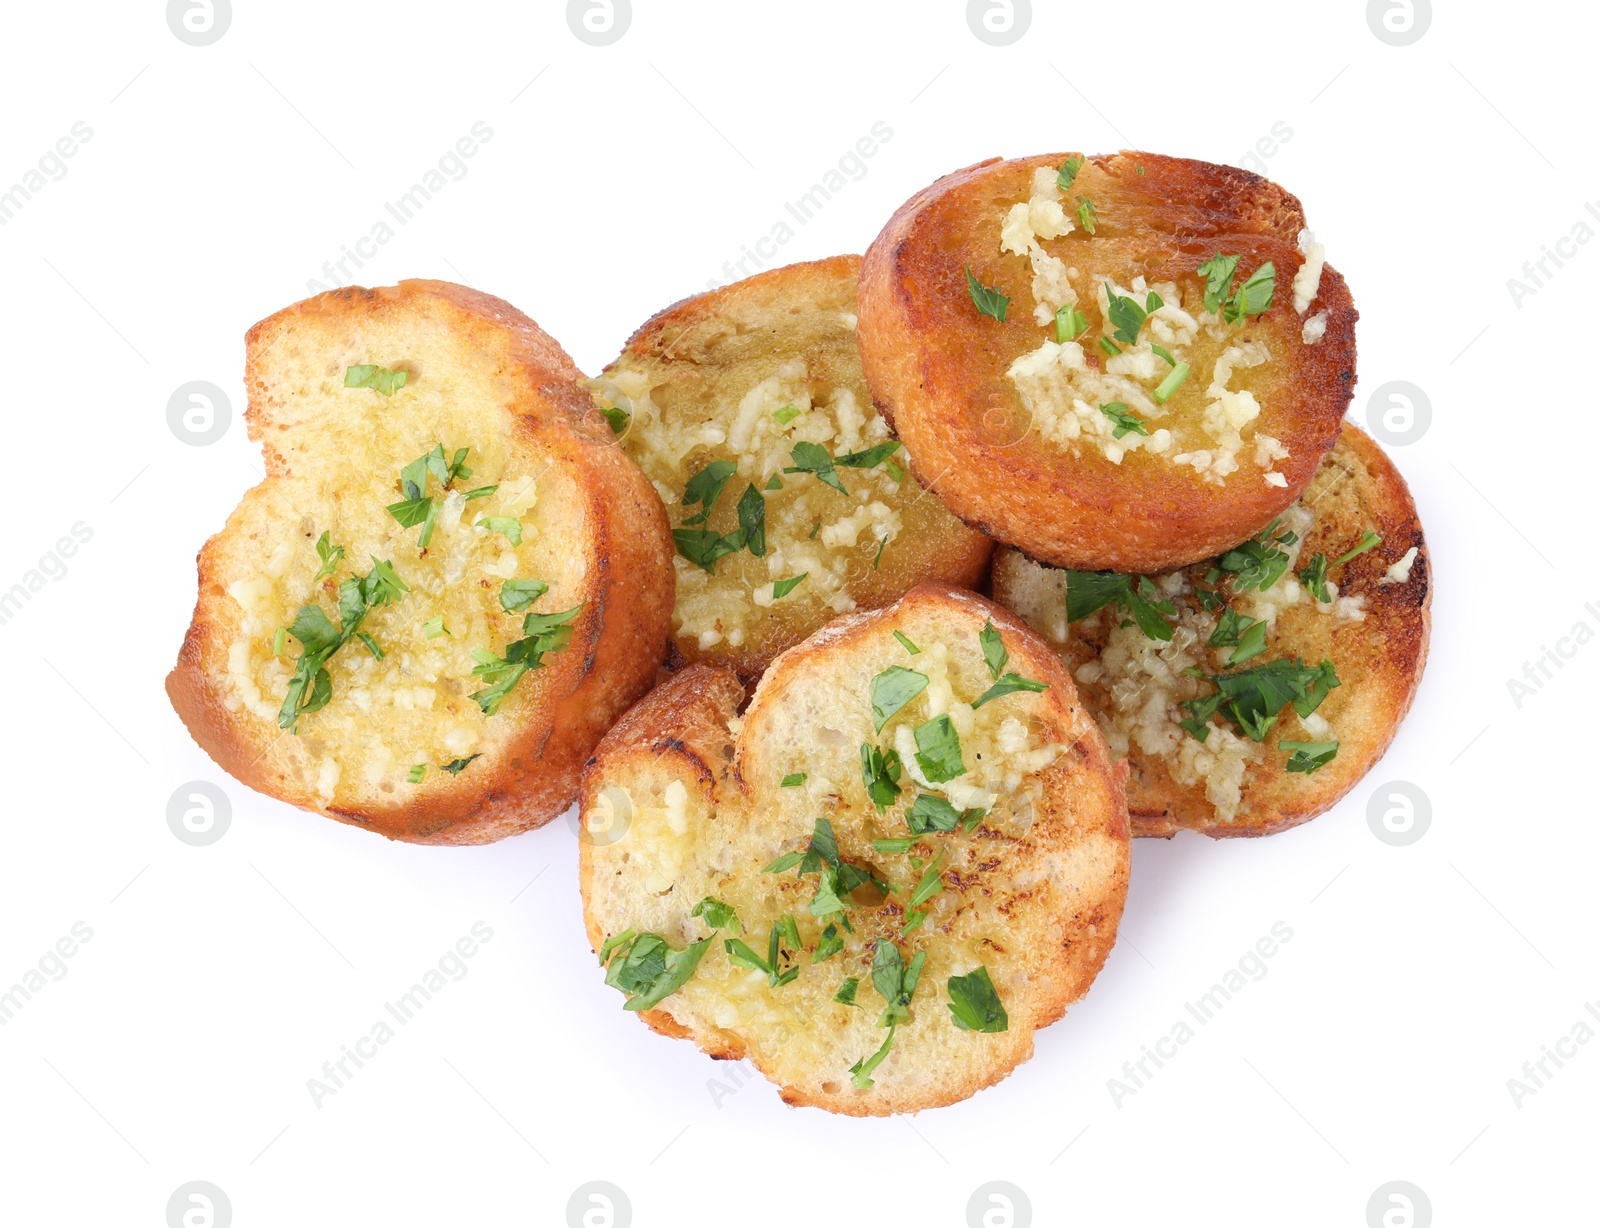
x=683 y=726
x=958 y=555
x=1380 y=659
x=618 y=639
x=929 y=357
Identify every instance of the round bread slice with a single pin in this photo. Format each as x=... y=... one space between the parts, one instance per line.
x=450 y=584
x=748 y=403
x=1373 y=629
x=747 y=892
x=1134 y=371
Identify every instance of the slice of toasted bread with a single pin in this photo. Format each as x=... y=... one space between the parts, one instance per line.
x=1030 y=429
x=1374 y=630
x=686 y=801
x=399 y=744
x=739 y=377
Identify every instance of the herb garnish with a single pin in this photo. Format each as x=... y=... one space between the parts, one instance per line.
x=814 y=459
x=892 y=690
x=974 y=1004
x=706 y=487
x=1218 y=272
x=517 y=595
x=995 y=655
x=1172 y=383
x=1252 y=298
x=931 y=813
x=542 y=633
x=1124 y=420
x=1088 y=591
x=989 y=302
x=880 y=773
x=753 y=521
x=1253 y=698
x=1008 y=684
x=739 y=953
x=1307 y=757
x=718 y=916
x=1070 y=324
x=1369 y=539
x=939 y=750
x=648 y=968
x=311 y=687
x=379 y=379
x=1127 y=317
x=417 y=508
x=330 y=556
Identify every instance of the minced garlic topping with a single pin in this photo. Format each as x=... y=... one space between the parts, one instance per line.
x=413 y=705
x=1135 y=686
x=1309 y=276
x=831 y=538
x=1400 y=570
x=1066 y=385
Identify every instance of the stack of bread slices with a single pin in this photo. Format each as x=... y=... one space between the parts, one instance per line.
x=866 y=608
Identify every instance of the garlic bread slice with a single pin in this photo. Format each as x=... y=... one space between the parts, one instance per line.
x=1249 y=693
x=1127 y=362
x=790 y=500
x=908 y=854
x=449 y=585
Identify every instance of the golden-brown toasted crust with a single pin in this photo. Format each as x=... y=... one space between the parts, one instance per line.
x=617 y=640
x=937 y=368
x=729 y=339
x=1053 y=945
x=1379 y=660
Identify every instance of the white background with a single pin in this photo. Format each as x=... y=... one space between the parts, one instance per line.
x=219 y=979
